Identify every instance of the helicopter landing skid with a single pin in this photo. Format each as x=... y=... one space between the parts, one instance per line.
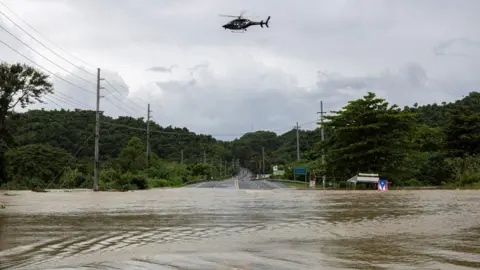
x=238 y=31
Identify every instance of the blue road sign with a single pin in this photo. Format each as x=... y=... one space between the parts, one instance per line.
x=383 y=185
x=300 y=171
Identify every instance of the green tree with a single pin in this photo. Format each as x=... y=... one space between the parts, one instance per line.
x=367 y=135
x=133 y=157
x=35 y=165
x=463 y=128
x=19 y=85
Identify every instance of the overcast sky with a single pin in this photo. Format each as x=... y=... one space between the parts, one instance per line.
x=175 y=55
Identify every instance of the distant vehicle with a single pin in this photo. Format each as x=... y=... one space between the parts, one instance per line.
x=240 y=24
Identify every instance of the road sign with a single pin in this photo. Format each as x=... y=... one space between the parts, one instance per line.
x=300 y=171
x=312 y=183
x=383 y=185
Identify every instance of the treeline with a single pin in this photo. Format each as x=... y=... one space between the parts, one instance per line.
x=55 y=149
x=411 y=146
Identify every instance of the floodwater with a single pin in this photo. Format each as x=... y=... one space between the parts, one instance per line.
x=241 y=229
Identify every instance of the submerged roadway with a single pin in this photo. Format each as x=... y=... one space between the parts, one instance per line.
x=244 y=180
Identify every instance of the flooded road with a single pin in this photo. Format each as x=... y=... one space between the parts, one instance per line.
x=197 y=228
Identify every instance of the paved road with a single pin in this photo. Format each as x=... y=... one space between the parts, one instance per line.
x=243 y=181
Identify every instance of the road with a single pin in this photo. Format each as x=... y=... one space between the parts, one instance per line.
x=243 y=181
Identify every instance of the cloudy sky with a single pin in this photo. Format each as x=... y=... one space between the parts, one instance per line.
x=175 y=55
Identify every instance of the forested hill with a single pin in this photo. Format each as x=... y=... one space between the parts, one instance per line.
x=69 y=130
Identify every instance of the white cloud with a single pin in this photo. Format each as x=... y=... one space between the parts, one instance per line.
x=213 y=81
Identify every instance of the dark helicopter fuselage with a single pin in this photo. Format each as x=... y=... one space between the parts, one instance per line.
x=243 y=24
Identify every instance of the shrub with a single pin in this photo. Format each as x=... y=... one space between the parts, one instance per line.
x=140 y=181
x=157 y=183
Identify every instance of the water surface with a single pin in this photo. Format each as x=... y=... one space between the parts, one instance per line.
x=241 y=229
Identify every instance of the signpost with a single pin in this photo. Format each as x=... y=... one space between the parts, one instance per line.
x=382 y=185
x=300 y=170
x=276 y=170
x=313 y=181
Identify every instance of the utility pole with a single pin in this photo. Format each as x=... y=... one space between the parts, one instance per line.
x=204 y=156
x=298 y=144
x=263 y=161
x=181 y=156
x=323 y=139
x=97 y=134
x=226 y=168
x=221 y=166
x=148 y=136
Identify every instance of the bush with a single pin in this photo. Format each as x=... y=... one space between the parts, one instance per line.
x=108 y=179
x=140 y=181
x=466 y=171
x=158 y=183
x=413 y=183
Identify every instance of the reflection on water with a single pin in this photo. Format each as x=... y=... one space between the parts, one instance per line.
x=241 y=229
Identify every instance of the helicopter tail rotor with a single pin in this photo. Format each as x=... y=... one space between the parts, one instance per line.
x=266 y=22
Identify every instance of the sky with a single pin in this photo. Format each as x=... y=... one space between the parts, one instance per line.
x=174 y=55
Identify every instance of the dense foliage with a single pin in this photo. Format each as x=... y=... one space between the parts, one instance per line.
x=411 y=146
x=418 y=145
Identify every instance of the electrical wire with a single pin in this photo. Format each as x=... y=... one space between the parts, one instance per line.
x=79 y=87
x=163 y=132
x=47 y=98
x=41 y=42
x=116 y=90
x=71 y=159
x=53 y=51
x=122 y=102
x=44 y=57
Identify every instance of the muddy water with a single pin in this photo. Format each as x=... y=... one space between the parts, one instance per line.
x=241 y=229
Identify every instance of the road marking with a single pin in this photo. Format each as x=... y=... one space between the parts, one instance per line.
x=276 y=185
x=200 y=184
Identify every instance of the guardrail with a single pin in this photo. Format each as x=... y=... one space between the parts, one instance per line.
x=282 y=180
x=204 y=180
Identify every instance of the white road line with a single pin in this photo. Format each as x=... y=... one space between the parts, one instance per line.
x=200 y=184
x=276 y=185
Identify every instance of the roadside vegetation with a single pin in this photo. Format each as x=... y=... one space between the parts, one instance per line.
x=42 y=149
x=430 y=145
x=418 y=146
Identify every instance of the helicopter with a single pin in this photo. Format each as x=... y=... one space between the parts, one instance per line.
x=240 y=24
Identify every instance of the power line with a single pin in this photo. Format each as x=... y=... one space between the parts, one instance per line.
x=50 y=49
x=121 y=101
x=116 y=90
x=42 y=43
x=78 y=103
x=70 y=101
x=44 y=57
x=162 y=132
x=120 y=108
x=71 y=159
x=79 y=87
x=52 y=101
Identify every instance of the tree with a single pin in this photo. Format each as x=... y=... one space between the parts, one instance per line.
x=133 y=157
x=463 y=128
x=35 y=165
x=19 y=85
x=367 y=135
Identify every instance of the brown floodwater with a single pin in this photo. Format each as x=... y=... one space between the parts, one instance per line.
x=241 y=229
